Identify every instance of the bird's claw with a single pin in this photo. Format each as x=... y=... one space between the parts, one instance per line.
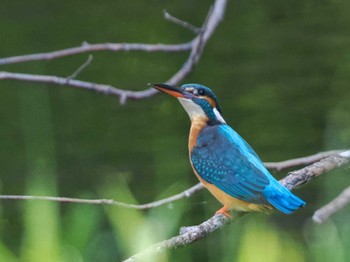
x=224 y=211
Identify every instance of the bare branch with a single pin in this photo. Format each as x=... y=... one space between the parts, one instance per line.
x=193 y=233
x=304 y=175
x=213 y=19
x=293 y=180
x=196 y=46
x=301 y=160
x=88 y=48
x=185 y=194
x=101 y=88
x=214 y=223
x=325 y=212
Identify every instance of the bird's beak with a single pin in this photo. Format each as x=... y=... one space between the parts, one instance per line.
x=171 y=90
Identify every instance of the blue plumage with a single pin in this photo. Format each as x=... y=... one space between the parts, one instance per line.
x=223 y=158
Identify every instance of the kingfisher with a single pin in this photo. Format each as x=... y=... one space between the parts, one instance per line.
x=223 y=161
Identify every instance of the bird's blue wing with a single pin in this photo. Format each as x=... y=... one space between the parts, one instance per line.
x=221 y=157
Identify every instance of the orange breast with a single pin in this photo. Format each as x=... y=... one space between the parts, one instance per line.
x=224 y=198
x=197 y=124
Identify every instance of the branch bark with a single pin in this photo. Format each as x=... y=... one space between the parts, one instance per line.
x=196 y=46
x=89 y=48
x=184 y=194
x=325 y=212
x=301 y=160
x=292 y=180
x=195 y=233
x=325 y=161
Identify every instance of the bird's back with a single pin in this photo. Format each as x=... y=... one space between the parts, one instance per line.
x=223 y=158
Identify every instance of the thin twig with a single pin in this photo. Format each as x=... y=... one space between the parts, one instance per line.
x=301 y=160
x=214 y=17
x=81 y=68
x=182 y=23
x=185 y=194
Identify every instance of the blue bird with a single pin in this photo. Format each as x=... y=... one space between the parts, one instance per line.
x=223 y=161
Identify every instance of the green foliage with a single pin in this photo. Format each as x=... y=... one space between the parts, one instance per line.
x=268 y=243
x=134 y=229
x=280 y=70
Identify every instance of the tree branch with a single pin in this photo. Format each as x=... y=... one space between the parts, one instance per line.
x=325 y=212
x=292 y=180
x=196 y=47
x=100 y=88
x=212 y=224
x=89 y=48
x=304 y=175
x=187 y=235
x=184 y=194
x=193 y=233
x=301 y=160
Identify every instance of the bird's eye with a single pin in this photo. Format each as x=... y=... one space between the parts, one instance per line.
x=200 y=92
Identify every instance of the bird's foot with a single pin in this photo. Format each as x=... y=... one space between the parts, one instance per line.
x=224 y=210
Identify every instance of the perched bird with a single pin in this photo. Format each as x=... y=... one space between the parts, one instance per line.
x=223 y=161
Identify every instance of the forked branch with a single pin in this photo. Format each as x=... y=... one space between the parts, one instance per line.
x=196 y=46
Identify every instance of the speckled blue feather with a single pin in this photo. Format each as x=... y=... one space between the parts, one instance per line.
x=223 y=158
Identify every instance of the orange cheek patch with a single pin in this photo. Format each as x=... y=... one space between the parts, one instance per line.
x=211 y=101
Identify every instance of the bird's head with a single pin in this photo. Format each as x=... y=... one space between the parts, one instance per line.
x=199 y=101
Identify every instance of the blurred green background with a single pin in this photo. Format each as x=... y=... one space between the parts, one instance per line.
x=281 y=70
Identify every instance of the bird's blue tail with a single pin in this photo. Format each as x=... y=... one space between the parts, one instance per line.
x=281 y=198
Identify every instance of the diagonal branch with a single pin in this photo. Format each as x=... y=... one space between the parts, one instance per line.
x=81 y=68
x=198 y=232
x=325 y=212
x=292 y=180
x=193 y=233
x=215 y=16
x=182 y=23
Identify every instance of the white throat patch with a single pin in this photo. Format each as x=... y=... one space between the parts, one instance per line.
x=195 y=111
x=192 y=109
